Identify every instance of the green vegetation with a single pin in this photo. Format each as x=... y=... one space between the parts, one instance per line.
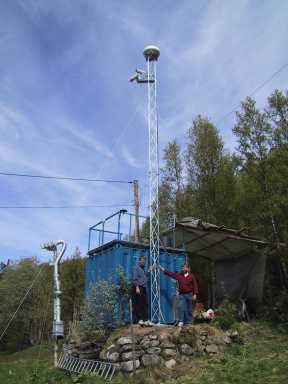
x=226 y=314
x=244 y=189
x=261 y=358
x=32 y=324
x=100 y=307
x=32 y=365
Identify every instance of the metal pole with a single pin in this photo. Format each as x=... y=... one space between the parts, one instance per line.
x=130 y=223
x=89 y=239
x=119 y=223
x=136 y=209
x=56 y=298
x=58 y=327
x=132 y=336
x=103 y=228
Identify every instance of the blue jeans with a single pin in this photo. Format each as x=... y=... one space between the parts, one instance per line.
x=186 y=307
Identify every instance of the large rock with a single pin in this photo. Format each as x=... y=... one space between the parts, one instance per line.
x=84 y=345
x=212 y=348
x=153 y=337
x=144 y=339
x=169 y=352
x=113 y=356
x=218 y=340
x=232 y=334
x=112 y=346
x=111 y=353
x=129 y=355
x=127 y=366
x=185 y=349
x=124 y=340
x=154 y=343
x=200 y=347
x=117 y=366
x=89 y=355
x=103 y=355
x=146 y=343
x=153 y=351
x=227 y=340
x=150 y=360
x=167 y=344
x=129 y=347
x=170 y=364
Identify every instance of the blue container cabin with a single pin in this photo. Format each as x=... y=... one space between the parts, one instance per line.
x=103 y=263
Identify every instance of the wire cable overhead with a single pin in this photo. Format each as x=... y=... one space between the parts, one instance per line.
x=65 y=178
x=253 y=92
x=64 y=206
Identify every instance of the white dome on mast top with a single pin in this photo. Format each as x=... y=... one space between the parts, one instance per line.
x=151 y=52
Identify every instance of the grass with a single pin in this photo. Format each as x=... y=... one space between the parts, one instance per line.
x=32 y=365
x=262 y=358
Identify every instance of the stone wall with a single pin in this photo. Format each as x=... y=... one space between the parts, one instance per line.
x=164 y=345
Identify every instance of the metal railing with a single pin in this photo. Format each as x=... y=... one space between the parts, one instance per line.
x=77 y=365
x=101 y=229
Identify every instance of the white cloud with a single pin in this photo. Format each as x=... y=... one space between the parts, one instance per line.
x=131 y=160
x=66 y=103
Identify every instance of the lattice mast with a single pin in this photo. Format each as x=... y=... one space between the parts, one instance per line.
x=151 y=54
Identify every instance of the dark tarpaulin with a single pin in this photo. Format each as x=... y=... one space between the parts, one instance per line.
x=226 y=261
x=240 y=278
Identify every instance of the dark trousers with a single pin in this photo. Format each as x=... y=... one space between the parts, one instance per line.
x=186 y=308
x=139 y=303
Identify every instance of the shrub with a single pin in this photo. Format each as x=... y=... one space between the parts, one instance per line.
x=124 y=292
x=226 y=314
x=278 y=311
x=99 y=310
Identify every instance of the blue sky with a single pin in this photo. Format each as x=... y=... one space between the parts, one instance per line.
x=67 y=108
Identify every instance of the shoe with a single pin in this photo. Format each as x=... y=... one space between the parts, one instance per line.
x=141 y=322
x=180 y=324
x=149 y=323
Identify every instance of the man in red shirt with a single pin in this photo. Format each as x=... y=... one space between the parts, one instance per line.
x=188 y=291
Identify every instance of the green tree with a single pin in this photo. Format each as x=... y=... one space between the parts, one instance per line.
x=171 y=192
x=254 y=131
x=262 y=146
x=32 y=322
x=72 y=286
x=226 y=191
x=203 y=161
x=278 y=115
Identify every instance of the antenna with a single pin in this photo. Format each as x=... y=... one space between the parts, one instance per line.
x=151 y=54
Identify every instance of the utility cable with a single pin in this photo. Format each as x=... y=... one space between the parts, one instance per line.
x=118 y=138
x=21 y=302
x=253 y=92
x=62 y=206
x=65 y=178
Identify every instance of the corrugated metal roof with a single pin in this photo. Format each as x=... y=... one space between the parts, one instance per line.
x=211 y=241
